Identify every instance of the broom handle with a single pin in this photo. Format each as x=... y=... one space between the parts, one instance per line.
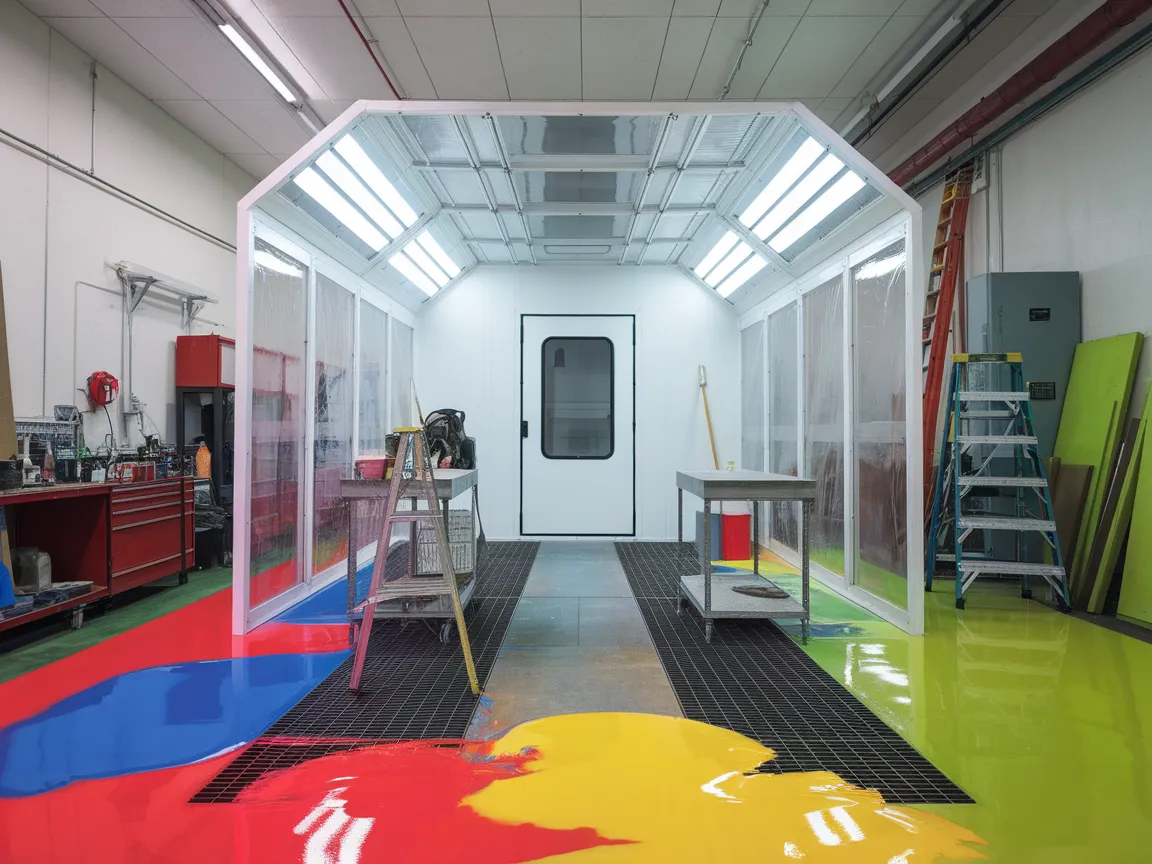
x=711 y=435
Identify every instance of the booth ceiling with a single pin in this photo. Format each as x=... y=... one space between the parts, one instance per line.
x=422 y=198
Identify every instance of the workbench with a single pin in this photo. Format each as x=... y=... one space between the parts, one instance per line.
x=115 y=535
x=462 y=541
x=701 y=589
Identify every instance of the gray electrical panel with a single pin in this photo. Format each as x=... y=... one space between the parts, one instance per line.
x=1037 y=314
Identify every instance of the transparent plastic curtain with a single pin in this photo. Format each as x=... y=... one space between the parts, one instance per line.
x=279 y=339
x=752 y=397
x=335 y=341
x=373 y=370
x=402 y=412
x=824 y=420
x=783 y=407
x=879 y=435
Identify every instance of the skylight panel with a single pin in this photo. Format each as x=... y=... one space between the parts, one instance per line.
x=355 y=156
x=793 y=169
x=722 y=247
x=749 y=269
x=818 y=210
x=413 y=273
x=340 y=174
x=323 y=194
x=731 y=261
x=439 y=255
x=813 y=182
x=421 y=259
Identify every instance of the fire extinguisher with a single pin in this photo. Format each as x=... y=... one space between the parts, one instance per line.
x=102 y=388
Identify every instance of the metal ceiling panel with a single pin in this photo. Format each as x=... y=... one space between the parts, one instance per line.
x=577 y=187
x=463 y=187
x=577 y=227
x=579 y=135
x=438 y=137
x=724 y=137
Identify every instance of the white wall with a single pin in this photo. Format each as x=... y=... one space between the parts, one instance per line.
x=468 y=357
x=58 y=231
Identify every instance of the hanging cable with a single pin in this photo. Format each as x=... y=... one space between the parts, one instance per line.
x=753 y=24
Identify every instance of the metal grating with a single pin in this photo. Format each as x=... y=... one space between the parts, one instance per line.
x=414 y=687
x=753 y=679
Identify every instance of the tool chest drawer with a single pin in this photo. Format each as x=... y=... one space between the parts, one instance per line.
x=150 y=523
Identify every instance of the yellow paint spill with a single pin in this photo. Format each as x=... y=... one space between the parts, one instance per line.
x=678 y=789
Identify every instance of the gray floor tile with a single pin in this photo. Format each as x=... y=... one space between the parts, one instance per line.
x=612 y=623
x=545 y=622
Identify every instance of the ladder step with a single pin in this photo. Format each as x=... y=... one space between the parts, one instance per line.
x=1019 y=440
x=1011 y=567
x=1005 y=523
x=418 y=516
x=1003 y=414
x=1006 y=482
x=994 y=396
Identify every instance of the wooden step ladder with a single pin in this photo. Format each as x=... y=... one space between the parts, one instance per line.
x=943 y=279
x=412 y=480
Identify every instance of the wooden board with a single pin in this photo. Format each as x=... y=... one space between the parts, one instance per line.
x=1092 y=422
x=1068 y=501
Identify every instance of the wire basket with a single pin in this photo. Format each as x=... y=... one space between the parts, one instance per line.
x=462 y=546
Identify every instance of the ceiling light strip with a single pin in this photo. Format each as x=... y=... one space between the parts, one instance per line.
x=749 y=269
x=731 y=261
x=439 y=255
x=339 y=173
x=258 y=63
x=363 y=165
x=422 y=260
x=723 y=247
x=800 y=161
x=817 y=211
x=413 y=273
x=327 y=197
x=801 y=194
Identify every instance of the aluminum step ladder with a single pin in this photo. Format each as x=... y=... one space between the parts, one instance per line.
x=968 y=462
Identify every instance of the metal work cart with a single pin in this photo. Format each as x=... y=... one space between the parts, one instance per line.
x=699 y=589
x=464 y=544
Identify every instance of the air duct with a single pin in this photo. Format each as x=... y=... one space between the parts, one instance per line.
x=1090 y=33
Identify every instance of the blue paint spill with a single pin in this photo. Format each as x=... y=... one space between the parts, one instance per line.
x=329 y=605
x=155 y=718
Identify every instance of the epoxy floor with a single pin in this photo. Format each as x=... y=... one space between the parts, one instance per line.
x=1043 y=718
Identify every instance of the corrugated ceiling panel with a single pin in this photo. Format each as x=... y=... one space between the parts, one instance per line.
x=724 y=138
x=437 y=136
x=577 y=187
x=677 y=140
x=578 y=136
x=463 y=187
x=695 y=187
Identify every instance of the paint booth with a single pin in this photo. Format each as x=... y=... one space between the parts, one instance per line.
x=560 y=273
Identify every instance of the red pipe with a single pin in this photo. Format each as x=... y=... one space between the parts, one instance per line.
x=368 y=46
x=1073 y=45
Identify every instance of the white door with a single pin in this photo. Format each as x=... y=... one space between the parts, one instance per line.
x=577 y=410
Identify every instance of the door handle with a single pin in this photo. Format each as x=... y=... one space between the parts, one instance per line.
x=523 y=428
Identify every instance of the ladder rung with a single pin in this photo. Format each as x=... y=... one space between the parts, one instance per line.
x=1019 y=440
x=939 y=268
x=1006 y=482
x=994 y=395
x=988 y=415
x=1011 y=567
x=418 y=516
x=1005 y=523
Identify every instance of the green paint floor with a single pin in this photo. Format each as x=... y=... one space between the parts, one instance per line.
x=45 y=641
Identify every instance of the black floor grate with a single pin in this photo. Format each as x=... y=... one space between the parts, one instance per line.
x=413 y=687
x=755 y=680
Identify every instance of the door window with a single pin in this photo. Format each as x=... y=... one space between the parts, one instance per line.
x=578 y=398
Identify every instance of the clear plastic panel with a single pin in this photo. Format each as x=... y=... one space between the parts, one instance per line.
x=824 y=420
x=402 y=413
x=279 y=321
x=752 y=397
x=879 y=436
x=783 y=407
x=373 y=370
x=335 y=339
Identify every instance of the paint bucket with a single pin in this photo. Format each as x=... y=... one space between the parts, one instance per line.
x=736 y=537
x=716 y=524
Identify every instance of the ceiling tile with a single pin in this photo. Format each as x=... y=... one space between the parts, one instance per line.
x=763 y=54
x=989 y=42
x=696 y=8
x=100 y=37
x=831 y=108
x=401 y=58
x=461 y=57
x=880 y=50
x=63 y=8
x=144 y=8
x=626 y=8
x=270 y=124
x=444 y=8
x=530 y=8
x=256 y=165
x=896 y=126
x=747 y=8
x=330 y=49
x=854 y=7
x=622 y=56
x=316 y=9
x=1035 y=8
x=200 y=57
x=541 y=57
x=204 y=120
x=683 y=49
x=818 y=54
x=330 y=109
x=919 y=7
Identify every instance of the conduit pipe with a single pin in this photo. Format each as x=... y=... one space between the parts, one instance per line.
x=1105 y=22
x=368 y=48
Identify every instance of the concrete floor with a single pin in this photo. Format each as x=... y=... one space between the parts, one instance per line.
x=576 y=644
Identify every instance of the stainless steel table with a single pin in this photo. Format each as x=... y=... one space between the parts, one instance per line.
x=449 y=483
x=754 y=486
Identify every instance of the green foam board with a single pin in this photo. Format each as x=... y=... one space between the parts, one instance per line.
x=1092 y=422
x=1136 y=588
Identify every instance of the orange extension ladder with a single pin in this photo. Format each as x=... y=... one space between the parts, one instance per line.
x=947 y=264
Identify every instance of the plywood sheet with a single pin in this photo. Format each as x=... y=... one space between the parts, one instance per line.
x=1092 y=421
x=1136 y=587
x=1068 y=503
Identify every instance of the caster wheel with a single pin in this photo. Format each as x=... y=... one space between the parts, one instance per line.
x=1027 y=595
x=707 y=631
x=680 y=606
x=960 y=603
x=445 y=632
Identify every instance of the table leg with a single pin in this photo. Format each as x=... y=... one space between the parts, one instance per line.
x=756 y=537
x=706 y=569
x=679 y=515
x=807 y=507
x=350 y=511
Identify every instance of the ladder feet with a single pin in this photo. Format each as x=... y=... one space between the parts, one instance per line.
x=446 y=632
x=1026 y=593
x=959 y=602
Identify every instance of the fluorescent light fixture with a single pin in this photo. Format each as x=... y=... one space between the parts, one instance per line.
x=413 y=273
x=438 y=254
x=335 y=203
x=278 y=265
x=818 y=210
x=420 y=259
x=813 y=182
x=800 y=162
x=750 y=268
x=257 y=61
x=722 y=247
x=355 y=156
x=733 y=260
x=339 y=174
x=880 y=267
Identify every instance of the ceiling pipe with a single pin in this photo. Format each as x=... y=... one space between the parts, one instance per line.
x=368 y=47
x=1105 y=22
